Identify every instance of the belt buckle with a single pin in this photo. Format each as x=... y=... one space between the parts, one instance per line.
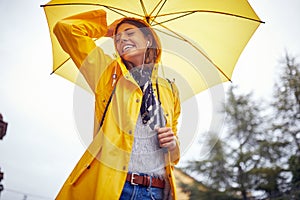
x=132 y=178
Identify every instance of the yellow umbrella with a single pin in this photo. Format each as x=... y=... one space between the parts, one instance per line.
x=201 y=39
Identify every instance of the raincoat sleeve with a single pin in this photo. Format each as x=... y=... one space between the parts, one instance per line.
x=76 y=35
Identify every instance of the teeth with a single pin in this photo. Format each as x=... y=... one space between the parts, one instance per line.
x=127 y=47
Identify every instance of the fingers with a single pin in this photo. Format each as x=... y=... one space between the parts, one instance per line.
x=166 y=138
x=111 y=28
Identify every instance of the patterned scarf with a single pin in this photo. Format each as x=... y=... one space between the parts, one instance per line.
x=150 y=106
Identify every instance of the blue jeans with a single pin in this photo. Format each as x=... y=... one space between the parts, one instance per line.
x=137 y=192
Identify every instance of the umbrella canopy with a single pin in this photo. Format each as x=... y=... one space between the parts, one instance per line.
x=201 y=39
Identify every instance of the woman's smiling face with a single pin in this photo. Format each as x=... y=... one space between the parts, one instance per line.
x=131 y=43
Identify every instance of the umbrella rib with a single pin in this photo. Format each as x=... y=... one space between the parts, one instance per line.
x=187 y=12
x=112 y=9
x=185 y=40
x=122 y=10
x=144 y=8
x=93 y=4
x=174 y=36
x=62 y=64
x=157 y=6
x=59 y=66
x=181 y=16
x=158 y=10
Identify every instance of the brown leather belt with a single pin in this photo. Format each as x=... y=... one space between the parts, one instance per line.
x=144 y=180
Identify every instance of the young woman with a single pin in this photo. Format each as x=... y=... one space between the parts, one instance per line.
x=135 y=146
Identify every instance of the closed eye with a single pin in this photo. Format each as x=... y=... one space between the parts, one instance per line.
x=130 y=33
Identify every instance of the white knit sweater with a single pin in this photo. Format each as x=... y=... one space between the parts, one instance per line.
x=146 y=157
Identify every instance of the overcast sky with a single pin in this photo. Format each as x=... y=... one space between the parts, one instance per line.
x=42 y=144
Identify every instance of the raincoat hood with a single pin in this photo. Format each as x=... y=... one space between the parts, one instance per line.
x=154 y=48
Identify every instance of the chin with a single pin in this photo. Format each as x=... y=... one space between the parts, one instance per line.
x=133 y=56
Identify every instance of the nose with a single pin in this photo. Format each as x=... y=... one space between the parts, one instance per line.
x=123 y=38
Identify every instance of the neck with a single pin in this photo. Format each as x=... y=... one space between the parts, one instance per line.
x=137 y=60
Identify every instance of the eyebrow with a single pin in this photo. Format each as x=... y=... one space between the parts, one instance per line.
x=129 y=29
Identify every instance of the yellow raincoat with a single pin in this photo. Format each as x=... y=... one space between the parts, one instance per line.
x=101 y=172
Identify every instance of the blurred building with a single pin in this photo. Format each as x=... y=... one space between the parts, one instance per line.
x=3 y=127
x=183 y=178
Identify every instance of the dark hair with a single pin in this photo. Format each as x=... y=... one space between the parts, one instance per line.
x=153 y=52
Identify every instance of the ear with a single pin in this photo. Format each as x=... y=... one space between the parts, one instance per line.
x=149 y=41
